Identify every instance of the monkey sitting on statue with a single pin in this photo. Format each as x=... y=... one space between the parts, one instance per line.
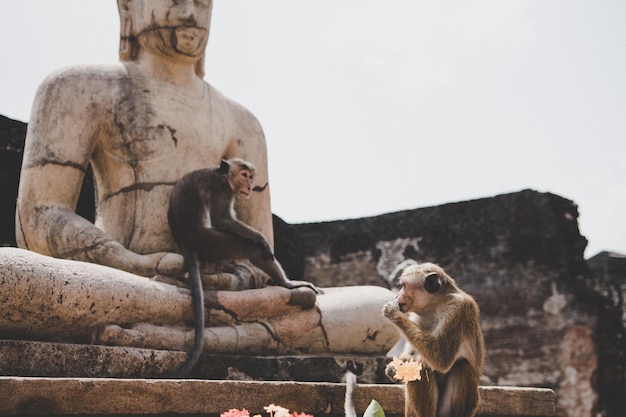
x=446 y=336
x=202 y=219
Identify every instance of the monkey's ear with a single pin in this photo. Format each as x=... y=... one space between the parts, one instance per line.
x=224 y=166
x=432 y=283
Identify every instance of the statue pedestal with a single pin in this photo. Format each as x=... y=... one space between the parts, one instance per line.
x=132 y=397
x=43 y=359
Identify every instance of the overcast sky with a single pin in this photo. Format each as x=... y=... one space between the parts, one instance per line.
x=371 y=107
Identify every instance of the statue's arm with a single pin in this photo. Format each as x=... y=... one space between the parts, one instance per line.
x=62 y=133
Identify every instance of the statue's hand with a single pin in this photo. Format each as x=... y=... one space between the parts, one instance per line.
x=164 y=263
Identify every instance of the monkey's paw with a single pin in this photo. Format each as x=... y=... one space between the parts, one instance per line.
x=391 y=310
x=303 y=284
x=390 y=372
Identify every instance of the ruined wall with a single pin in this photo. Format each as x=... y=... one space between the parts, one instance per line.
x=547 y=321
x=611 y=268
x=12 y=134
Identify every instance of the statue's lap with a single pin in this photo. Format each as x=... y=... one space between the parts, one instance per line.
x=63 y=300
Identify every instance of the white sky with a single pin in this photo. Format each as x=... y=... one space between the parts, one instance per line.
x=371 y=107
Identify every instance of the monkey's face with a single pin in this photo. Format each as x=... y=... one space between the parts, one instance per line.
x=412 y=296
x=242 y=183
x=419 y=285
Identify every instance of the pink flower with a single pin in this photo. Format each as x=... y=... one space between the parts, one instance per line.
x=272 y=410
x=233 y=412
x=294 y=414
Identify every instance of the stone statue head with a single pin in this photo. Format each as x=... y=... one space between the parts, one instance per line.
x=177 y=29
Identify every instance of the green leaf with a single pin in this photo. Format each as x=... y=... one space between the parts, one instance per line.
x=374 y=410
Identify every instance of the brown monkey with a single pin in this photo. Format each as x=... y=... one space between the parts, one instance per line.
x=446 y=336
x=202 y=219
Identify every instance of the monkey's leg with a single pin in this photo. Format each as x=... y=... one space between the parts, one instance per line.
x=460 y=394
x=272 y=268
x=215 y=245
x=421 y=397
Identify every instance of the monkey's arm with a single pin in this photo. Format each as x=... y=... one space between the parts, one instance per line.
x=439 y=348
x=227 y=223
x=231 y=225
x=250 y=145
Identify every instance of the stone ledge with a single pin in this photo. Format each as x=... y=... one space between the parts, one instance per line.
x=25 y=396
x=64 y=360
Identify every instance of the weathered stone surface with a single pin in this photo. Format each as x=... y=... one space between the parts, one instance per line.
x=45 y=298
x=22 y=358
x=56 y=397
x=610 y=268
x=48 y=298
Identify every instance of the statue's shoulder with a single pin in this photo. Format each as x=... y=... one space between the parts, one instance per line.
x=86 y=77
x=83 y=86
x=234 y=111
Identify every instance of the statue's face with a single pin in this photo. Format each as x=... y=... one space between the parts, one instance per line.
x=172 y=27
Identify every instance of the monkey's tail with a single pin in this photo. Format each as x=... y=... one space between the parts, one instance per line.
x=348 y=405
x=197 y=296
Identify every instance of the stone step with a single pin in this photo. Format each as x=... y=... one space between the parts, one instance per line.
x=27 y=358
x=22 y=396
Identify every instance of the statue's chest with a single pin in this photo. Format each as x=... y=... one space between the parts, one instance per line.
x=150 y=126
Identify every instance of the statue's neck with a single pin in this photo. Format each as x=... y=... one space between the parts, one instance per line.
x=171 y=70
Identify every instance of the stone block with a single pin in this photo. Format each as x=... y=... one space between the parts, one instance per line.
x=131 y=397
